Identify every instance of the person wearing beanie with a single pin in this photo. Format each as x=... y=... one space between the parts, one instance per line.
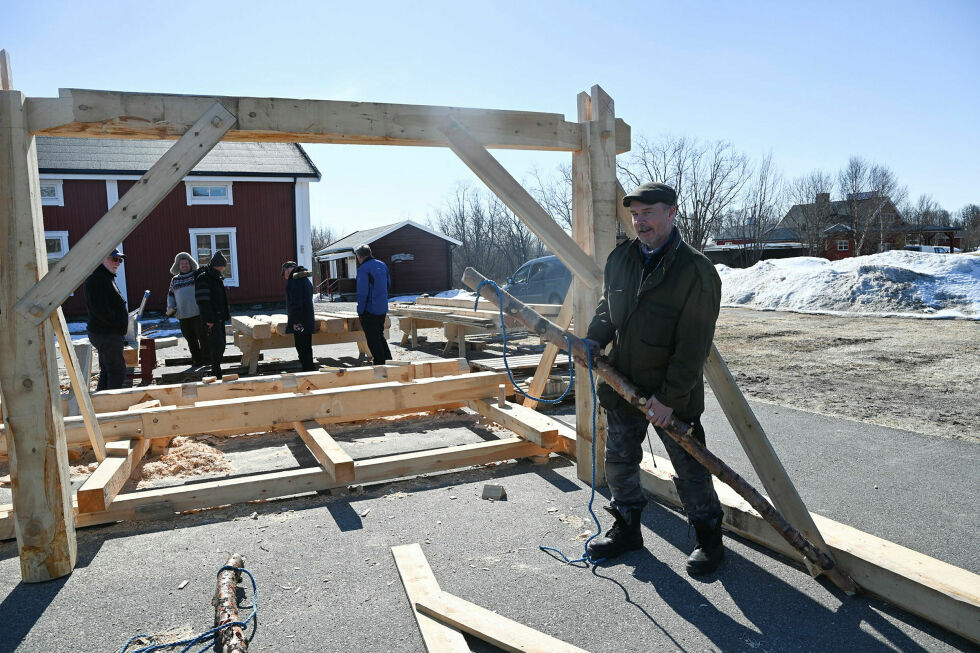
x=373 y=282
x=212 y=302
x=108 y=321
x=659 y=306
x=182 y=302
x=299 y=309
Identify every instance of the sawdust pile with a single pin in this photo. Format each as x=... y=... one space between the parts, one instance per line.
x=82 y=470
x=186 y=457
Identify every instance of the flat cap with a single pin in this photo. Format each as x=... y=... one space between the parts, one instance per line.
x=652 y=193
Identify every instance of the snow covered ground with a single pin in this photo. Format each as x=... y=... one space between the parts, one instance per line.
x=897 y=283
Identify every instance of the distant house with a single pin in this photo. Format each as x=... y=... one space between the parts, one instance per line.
x=249 y=200
x=418 y=258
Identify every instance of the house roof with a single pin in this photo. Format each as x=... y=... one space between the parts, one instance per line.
x=112 y=156
x=368 y=236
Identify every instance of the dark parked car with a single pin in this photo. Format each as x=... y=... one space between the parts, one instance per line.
x=542 y=280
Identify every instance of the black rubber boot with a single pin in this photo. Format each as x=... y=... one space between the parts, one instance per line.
x=710 y=551
x=622 y=537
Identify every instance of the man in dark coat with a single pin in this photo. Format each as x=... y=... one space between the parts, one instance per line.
x=108 y=321
x=299 y=309
x=659 y=306
x=373 y=282
x=212 y=301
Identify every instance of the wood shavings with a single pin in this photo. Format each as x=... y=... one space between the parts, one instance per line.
x=186 y=457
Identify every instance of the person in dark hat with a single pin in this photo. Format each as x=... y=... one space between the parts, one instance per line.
x=659 y=306
x=212 y=302
x=108 y=321
x=299 y=309
x=373 y=282
x=182 y=302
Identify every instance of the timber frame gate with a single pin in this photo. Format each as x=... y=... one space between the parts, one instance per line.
x=31 y=294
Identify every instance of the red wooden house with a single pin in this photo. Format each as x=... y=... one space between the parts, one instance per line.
x=249 y=200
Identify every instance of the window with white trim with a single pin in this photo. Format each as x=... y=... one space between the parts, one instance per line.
x=206 y=241
x=56 y=244
x=208 y=192
x=52 y=193
x=843 y=245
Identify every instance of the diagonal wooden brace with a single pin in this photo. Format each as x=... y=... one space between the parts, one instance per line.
x=127 y=214
x=678 y=431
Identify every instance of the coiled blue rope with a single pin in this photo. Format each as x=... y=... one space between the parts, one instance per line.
x=586 y=558
x=208 y=636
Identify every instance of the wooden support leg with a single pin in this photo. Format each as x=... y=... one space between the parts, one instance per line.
x=403 y=323
x=461 y=340
x=415 y=335
x=540 y=379
x=362 y=346
x=44 y=520
x=79 y=383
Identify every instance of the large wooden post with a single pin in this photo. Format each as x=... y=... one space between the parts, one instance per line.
x=43 y=518
x=594 y=229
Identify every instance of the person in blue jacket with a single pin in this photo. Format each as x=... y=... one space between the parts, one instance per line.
x=299 y=309
x=373 y=282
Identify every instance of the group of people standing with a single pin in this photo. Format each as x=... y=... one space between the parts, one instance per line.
x=197 y=298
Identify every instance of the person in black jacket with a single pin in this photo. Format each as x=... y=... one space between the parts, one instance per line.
x=299 y=308
x=108 y=321
x=209 y=290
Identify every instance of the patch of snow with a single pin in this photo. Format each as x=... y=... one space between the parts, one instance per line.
x=895 y=283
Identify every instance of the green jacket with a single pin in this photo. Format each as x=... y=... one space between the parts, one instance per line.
x=661 y=322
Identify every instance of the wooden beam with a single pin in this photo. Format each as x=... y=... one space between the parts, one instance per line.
x=761 y=454
x=489 y=626
x=127 y=214
x=102 y=486
x=250 y=414
x=623 y=213
x=421 y=462
x=251 y=327
x=934 y=590
x=28 y=369
x=6 y=75
x=543 y=371
x=509 y=190
x=112 y=114
x=420 y=583
x=525 y=422
x=331 y=456
x=79 y=383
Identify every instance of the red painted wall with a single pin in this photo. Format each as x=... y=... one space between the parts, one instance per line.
x=262 y=214
x=428 y=272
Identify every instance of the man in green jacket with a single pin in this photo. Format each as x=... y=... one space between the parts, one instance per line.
x=659 y=306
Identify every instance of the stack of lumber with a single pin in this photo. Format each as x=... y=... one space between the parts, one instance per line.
x=546 y=310
x=263 y=326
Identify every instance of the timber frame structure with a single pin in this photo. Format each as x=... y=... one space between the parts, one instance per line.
x=42 y=515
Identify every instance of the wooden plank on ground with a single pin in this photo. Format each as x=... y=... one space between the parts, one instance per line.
x=420 y=462
x=331 y=456
x=489 y=626
x=132 y=208
x=932 y=589
x=112 y=114
x=525 y=422
x=79 y=383
x=102 y=486
x=530 y=361
x=420 y=583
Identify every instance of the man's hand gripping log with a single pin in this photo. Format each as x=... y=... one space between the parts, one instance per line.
x=678 y=431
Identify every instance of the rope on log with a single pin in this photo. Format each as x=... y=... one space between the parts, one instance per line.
x=231 y=639
x=678 y=431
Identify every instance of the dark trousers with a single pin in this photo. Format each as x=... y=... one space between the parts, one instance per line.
x=374 y=333
x=195 y=333
x=216 y=342
x=304 y=349
x=624 y=451
x=112 y=365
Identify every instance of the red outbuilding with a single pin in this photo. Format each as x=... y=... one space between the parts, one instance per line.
x=251 y=201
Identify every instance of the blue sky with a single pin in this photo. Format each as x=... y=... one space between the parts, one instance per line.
x=895 y=82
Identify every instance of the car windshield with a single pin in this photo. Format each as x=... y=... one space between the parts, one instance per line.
x=521 y=275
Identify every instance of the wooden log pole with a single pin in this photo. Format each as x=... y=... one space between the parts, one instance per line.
x=78 y=377
x=678 y=431
x=231 y=639
x=35 y=432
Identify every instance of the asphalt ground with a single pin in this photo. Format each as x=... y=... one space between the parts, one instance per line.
x=327 y=580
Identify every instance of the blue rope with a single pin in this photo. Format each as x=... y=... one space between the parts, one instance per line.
x=586 y=558
x=208 y=636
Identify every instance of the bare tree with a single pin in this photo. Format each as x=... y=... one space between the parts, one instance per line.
x=867 y=189
x=809 y=217
x=968 y=219
x=925 y=212
x=321 y=236
x=554 y=193
x=763 y=203
x=708 y=178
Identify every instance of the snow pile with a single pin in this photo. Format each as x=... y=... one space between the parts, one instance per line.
x=891 y=283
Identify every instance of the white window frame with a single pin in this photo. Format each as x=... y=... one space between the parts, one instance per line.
x=843 y=245
x=63 y=237
x=232 y=270
x=192 y=200
x=59 y=198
